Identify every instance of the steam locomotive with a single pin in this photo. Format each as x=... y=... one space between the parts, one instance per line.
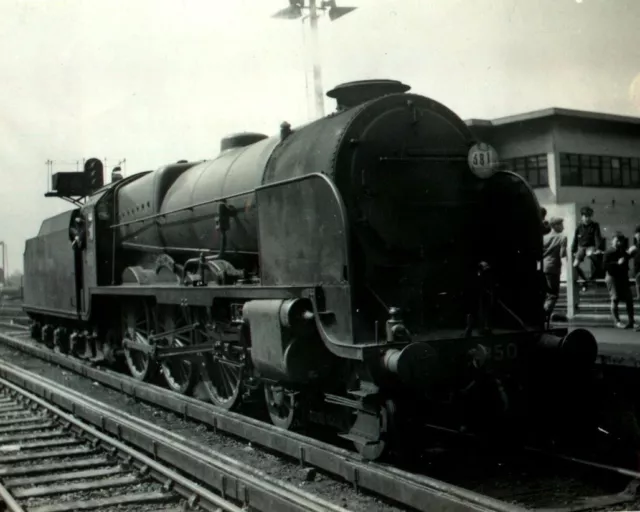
x=372 y=265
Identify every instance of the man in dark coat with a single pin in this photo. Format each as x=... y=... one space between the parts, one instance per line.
x=616 y=266
x=587 y=241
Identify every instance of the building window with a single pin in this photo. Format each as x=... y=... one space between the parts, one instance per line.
x=533 y=169
x=599 y=171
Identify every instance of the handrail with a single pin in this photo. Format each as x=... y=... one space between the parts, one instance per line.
x=220 y=199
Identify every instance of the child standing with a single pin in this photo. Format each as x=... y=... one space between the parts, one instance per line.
x=554 y=248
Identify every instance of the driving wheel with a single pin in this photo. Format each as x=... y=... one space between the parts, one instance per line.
x=138 y=322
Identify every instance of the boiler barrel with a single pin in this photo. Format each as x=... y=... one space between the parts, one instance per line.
x=234 y=175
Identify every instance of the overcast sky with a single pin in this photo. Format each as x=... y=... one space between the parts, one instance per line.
x=155 y=81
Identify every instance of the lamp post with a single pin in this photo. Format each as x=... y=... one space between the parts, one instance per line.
x=294 y=12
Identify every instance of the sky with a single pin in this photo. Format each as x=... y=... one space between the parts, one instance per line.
x=156 y=81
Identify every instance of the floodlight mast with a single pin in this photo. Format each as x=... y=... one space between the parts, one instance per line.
x=294 y=12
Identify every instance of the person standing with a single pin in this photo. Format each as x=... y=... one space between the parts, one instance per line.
x=616 y=265
x=545 y=224
x=554 y=249
x=586 y=242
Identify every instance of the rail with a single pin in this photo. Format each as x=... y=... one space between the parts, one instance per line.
x=79 y=461
x=240 y=486
x=416 y=491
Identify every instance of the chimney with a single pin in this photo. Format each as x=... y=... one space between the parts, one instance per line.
x=351 y=94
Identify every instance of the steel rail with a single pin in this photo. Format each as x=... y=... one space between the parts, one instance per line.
x=197 y=459
x=215 y=501
x=416 y=491
x=14 y=328
x=9 y=501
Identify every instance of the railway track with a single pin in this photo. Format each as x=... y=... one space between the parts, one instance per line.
x=410 y=489
x=49 y=454
x=52 y=462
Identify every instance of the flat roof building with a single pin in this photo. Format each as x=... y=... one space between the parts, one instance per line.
x=573 y=158
x=570 y=155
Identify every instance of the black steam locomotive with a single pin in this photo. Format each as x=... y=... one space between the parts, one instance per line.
x=371 y=265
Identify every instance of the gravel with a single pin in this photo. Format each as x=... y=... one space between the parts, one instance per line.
x=313 y=481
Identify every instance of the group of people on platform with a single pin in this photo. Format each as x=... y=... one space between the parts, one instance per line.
x=589 y=246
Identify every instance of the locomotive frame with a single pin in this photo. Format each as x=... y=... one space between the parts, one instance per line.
x=284 y=333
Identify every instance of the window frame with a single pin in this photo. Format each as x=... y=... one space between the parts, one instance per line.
x=599 y=171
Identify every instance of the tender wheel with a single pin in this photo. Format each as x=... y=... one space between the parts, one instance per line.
x=137 y=323
x=35 y=330
x=61 y=340
x=179 y=374
x=47 y=335
x=76 y=343
x=223 y=371
x=110 y=343
x=282 y=405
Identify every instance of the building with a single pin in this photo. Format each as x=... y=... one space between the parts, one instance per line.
x=572 y=159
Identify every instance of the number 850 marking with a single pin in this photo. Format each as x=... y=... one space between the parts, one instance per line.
x=503 y=351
